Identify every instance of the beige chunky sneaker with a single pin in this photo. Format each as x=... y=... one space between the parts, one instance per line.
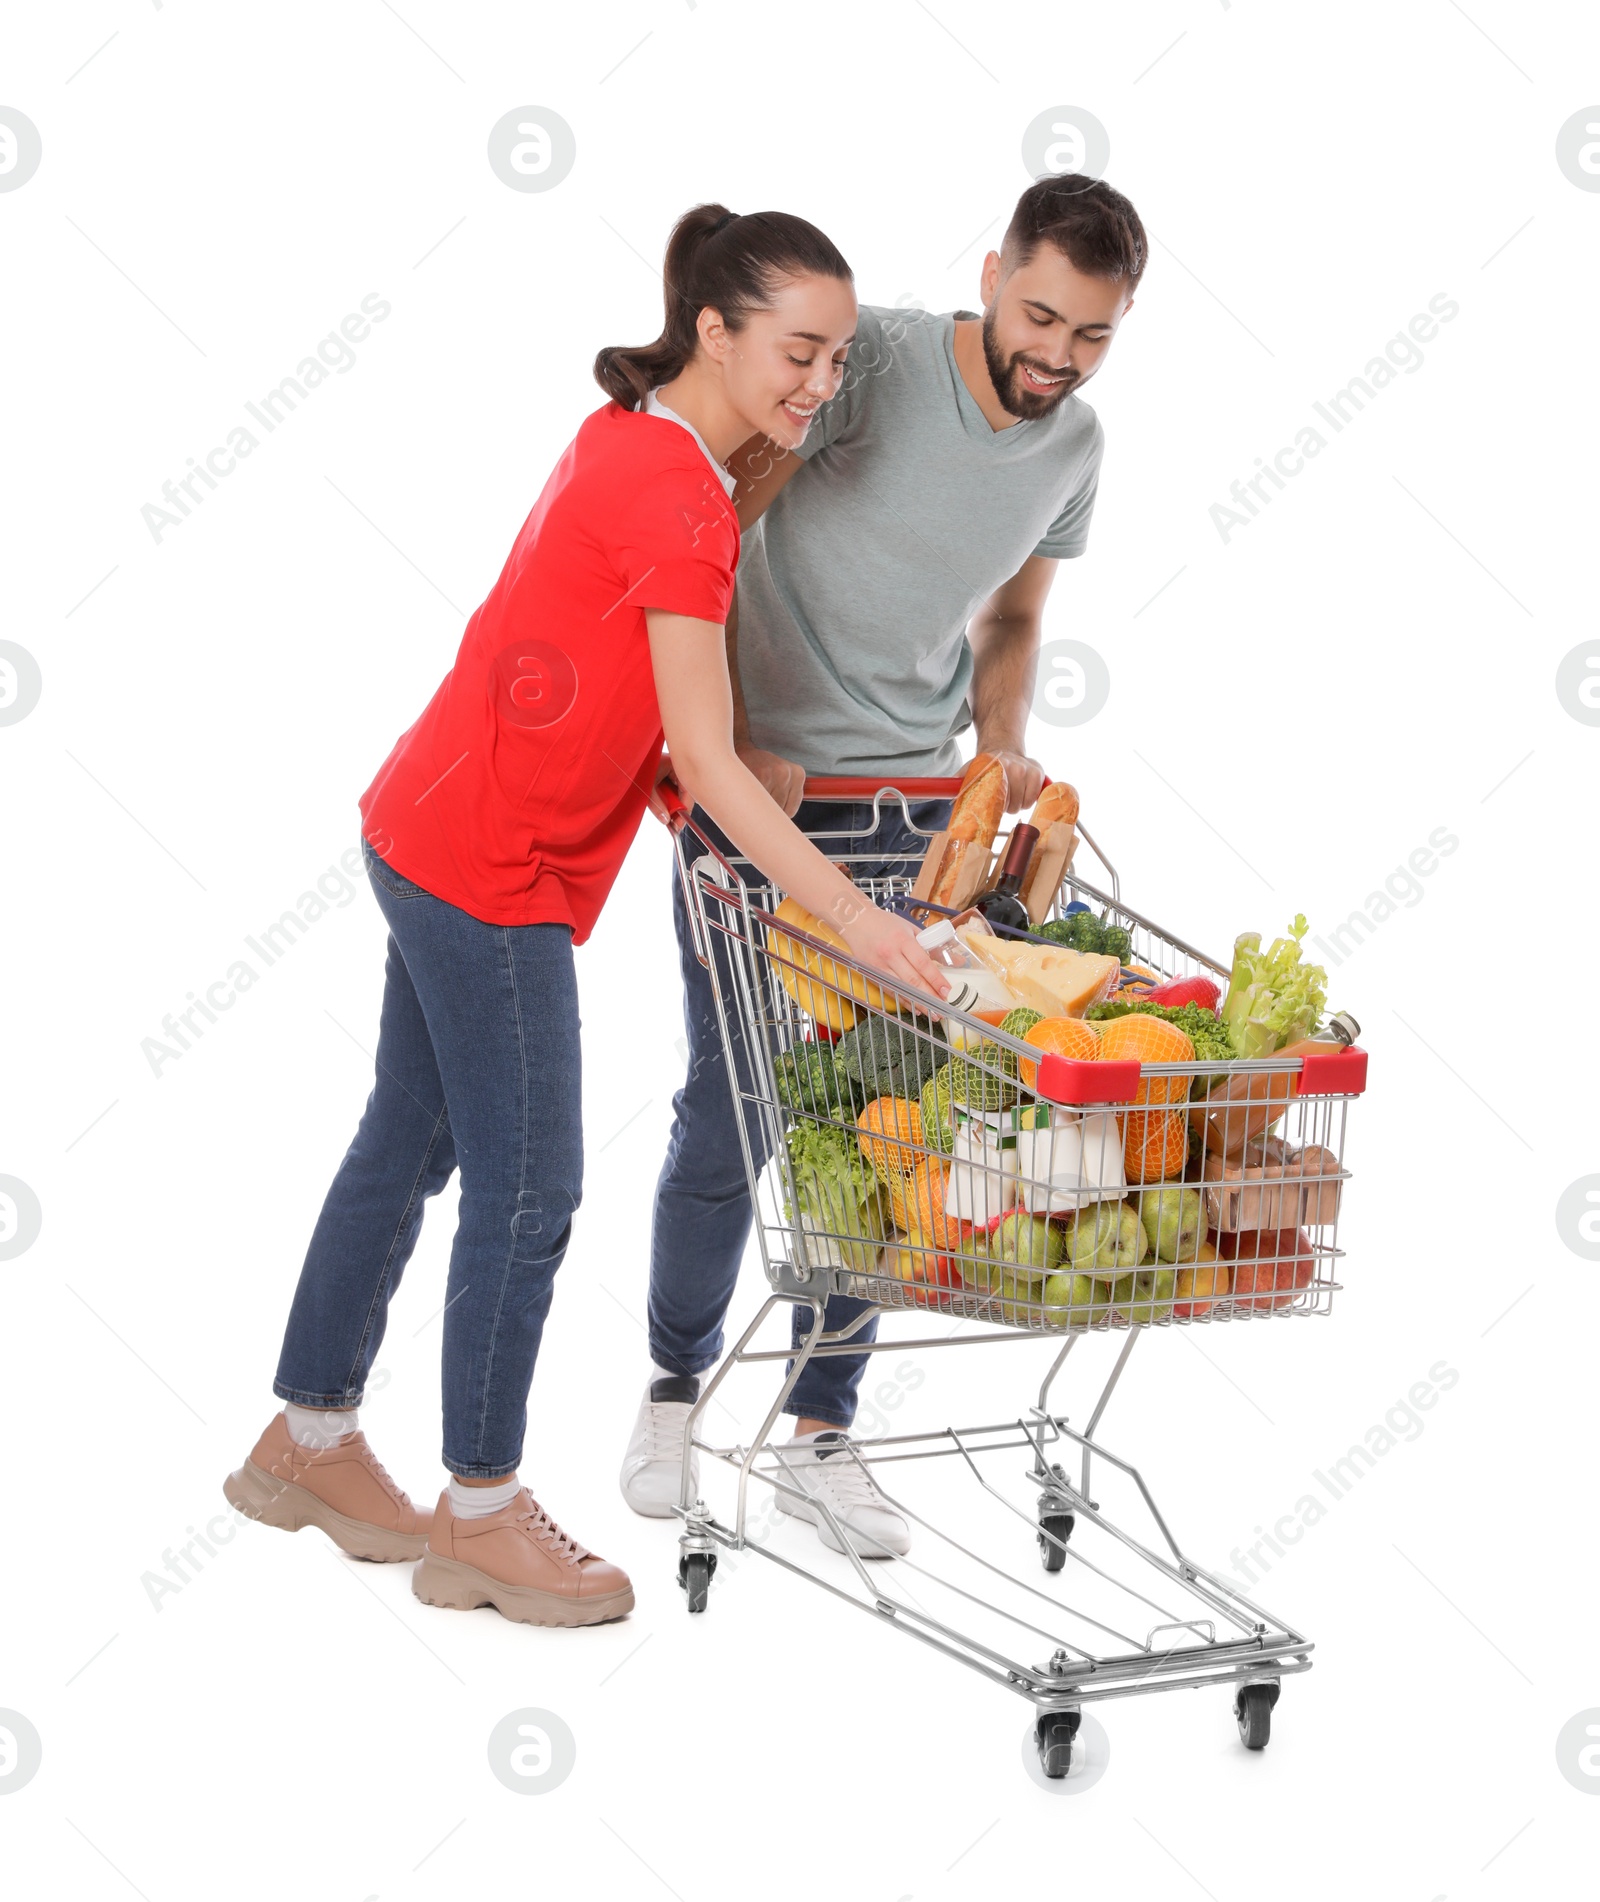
x=521 y=1562
x=342 y=1489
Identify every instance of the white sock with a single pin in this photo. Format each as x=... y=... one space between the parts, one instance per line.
x=317 y=1429
x=478 y=1502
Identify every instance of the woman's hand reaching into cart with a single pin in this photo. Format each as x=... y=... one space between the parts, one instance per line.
x=690 y=662
x=888 y=944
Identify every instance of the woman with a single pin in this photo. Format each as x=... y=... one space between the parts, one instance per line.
x=492 y=835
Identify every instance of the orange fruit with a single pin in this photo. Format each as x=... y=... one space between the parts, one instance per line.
x=891 y=1129
x=920 y=1204
x=1146 y=1039
x=1155 y=1144
x=1066 y=1036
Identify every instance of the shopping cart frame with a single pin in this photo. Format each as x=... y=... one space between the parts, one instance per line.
x=1256 y=1648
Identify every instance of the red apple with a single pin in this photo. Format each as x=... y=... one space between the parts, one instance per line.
x=1270 y=1265
x=931 y=1272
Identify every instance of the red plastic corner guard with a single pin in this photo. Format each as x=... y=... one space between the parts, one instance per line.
x=1336 y=1073
x=1080 y=1080
x=1086 y=1080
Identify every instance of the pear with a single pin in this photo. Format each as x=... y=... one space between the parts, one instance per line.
x=1029 y=1243
x=1075 y=1300
x=1174 y=1218
x=1153 y=1295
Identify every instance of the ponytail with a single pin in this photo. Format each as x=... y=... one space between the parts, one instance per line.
x=719 y=260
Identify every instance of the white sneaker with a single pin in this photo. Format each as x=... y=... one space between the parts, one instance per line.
x=652 y=1469
x=828 y=1474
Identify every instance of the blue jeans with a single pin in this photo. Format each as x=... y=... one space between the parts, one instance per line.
x=477 y=1069
x=702 y=1210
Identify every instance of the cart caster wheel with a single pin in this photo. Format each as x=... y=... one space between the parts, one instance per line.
x=695 y=1570
x=1253 y=1708
x=1059 y=1524
x=1055 y=1731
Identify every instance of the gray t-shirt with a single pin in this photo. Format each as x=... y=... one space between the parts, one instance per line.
x=856 y=586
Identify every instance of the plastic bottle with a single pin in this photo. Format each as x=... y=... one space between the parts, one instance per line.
x=973 y=986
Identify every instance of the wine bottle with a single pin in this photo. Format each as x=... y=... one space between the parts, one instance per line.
x=1001 y=904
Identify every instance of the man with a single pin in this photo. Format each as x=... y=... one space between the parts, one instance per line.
x=890 y=590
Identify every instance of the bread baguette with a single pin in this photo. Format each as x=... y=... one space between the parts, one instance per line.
x=975 y=817
x=1058 y=801
x=982 y=800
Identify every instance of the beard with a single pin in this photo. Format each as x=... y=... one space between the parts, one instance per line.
x=1016 y=397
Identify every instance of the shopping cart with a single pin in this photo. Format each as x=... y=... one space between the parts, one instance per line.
x=1141 y=1615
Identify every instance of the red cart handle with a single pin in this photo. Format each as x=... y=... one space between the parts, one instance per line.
x=868 y=787
x=838 y=786
x=861 y=787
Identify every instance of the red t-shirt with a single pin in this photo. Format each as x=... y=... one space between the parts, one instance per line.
x=517 y=793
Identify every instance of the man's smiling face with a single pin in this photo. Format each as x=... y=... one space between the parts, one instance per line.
x=1046 y=328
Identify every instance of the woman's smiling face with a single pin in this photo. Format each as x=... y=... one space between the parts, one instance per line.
x=788 y=360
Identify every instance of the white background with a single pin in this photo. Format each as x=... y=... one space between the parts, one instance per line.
x=1289 y=719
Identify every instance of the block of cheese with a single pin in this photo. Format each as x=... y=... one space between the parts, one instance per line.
x=1049 y=978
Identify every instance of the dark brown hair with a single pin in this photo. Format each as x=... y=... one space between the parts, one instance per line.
x=1093 y=226
x=732 y=264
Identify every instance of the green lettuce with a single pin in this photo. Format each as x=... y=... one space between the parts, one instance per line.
x=1273 y=998
x=839 y=1193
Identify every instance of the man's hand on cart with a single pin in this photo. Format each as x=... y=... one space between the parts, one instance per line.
x=1025 y=777
x=782 y=778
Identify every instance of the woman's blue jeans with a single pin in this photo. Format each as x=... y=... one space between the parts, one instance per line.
x=478 y=1069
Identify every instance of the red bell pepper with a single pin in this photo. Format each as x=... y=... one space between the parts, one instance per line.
x=1186 y=990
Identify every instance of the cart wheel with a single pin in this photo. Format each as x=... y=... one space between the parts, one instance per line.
x=1253 y=1708
x=1055 y=1731
x=1059 y=1525
x=694 y=1575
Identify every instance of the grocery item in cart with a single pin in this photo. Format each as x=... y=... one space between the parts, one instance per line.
x=888 y=1056
x=982 y=1183
x=837 y=1200
x=1065 y=1160
x=975 y=984
x=1065 y=1036
x=1274 y=1186
x=1174 y=1218
x=1002 y=903
x=1054 y=819
x=1270 y=1266
x=824 y=988
x=1050 y=978
x=1240 y=1109
x=1274 y=998
x=968 y=1081
x=957 y=864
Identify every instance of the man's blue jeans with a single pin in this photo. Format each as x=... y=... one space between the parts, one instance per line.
x=702 y=1210
x=477 y=1069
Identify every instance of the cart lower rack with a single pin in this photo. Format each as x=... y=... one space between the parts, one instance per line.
x=1006 y=1191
